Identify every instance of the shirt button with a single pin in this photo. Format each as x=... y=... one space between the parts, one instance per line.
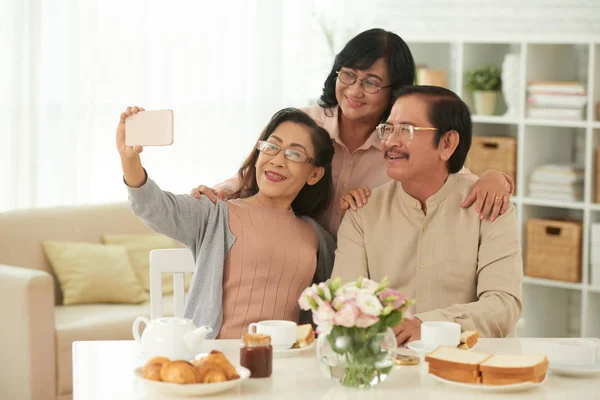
x=421 y=300
x=425 y=228
x=422 y=265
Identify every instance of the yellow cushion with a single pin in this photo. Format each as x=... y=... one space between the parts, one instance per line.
x=94 y=273
x=139 y=247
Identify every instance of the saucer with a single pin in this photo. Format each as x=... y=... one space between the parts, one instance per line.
x=420 y=347
x=574 y=370
x=284 y=353
x=514 y=387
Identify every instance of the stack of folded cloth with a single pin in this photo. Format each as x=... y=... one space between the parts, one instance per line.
x=557 y=182
x=556 y=100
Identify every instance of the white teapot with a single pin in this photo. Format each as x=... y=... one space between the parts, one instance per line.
x=174 y=338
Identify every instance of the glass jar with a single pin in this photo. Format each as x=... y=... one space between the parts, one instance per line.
x=256 y=354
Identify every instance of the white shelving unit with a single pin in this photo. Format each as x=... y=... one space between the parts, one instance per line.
x=550 y=308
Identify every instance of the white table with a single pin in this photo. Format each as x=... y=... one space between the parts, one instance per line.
x=103 y=370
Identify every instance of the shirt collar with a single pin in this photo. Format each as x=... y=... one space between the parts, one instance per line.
x=436 y=199
x=332 y=125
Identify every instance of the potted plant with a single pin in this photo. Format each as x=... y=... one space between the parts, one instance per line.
x=485 y=83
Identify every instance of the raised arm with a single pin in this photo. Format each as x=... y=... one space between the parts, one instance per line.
x=180 y=217
x=499 y=283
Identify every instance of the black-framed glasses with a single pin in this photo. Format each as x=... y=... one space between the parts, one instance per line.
x=405 y=132
x=291 y=154
x=368 y=85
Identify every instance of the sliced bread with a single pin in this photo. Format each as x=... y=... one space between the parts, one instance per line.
x=468 y=339
x=449 y=358
x=305 y=335
x=511 y=369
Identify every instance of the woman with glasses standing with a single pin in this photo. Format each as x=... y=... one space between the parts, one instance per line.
x=254 y=256
x=357 y=97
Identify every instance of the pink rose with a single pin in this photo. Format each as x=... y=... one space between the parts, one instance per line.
x=365 y=321
x=324 y=314
x=392 y=297
x=347 y=315
x=344 y=297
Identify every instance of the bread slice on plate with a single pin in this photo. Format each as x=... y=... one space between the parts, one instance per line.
x=512 y=369
x=455 y=364
x=305 y=336
x=468 y=339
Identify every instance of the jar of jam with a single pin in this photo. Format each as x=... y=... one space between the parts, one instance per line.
x=256 y=354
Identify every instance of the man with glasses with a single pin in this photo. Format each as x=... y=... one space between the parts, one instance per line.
x=456 y=265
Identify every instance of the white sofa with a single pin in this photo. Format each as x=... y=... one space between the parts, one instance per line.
x=37 y=331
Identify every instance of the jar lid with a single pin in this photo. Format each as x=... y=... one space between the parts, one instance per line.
x=256 y=339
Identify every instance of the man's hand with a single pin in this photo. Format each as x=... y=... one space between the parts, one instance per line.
x=408 y=331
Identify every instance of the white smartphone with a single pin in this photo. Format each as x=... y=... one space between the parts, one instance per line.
x=149 y=128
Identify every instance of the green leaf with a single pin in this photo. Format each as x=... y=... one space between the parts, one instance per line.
x=393 y=319
x=486 y=77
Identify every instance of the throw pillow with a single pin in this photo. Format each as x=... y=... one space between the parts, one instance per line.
x=94 y=273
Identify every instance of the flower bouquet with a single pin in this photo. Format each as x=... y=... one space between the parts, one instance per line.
x=356 y=345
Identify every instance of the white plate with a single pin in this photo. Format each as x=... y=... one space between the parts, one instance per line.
x=574 y=370
x=421 y=348
x=193 y=389
x=291 y=352
x=516 y=387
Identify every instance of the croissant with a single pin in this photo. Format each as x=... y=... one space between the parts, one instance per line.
x=152 y=372
x=219 y=359
x=178 y=372
x=155 y=360
x=209 y=372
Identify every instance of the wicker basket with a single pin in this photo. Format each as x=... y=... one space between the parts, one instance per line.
x=554 y=249
x=493 y=152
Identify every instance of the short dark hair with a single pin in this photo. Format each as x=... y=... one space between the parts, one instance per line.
x=362 y=51
x=311 y=199
x=447 y=112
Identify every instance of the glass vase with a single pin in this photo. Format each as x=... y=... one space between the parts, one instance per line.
x=357 y=357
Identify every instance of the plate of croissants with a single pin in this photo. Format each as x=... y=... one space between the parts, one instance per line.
x=207 y=375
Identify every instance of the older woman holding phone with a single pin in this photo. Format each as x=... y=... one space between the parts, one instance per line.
x=255 y=255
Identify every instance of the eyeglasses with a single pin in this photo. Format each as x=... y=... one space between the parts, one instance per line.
x=406 y=132
x=369 y=86
x=293 y=155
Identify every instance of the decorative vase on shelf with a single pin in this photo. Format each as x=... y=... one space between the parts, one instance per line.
x=510 y=82
x=356 y=345
x=485 y=101
x=357 y=357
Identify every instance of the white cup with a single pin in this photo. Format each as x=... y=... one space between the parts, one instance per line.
x=440 y=333
x=283 y=333
x=574 y=352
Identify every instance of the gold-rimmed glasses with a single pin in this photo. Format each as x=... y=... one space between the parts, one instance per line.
x=291 y=154
x=405 y=132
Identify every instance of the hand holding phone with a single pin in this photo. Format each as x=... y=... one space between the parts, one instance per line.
x=149 y=128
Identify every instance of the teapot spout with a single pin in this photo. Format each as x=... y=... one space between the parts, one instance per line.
x=194 y=339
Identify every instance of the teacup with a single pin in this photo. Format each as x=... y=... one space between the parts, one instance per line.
x=440 y=333
x=580 y=352
x=283 y=333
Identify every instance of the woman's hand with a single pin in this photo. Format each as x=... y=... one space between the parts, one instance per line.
x=354 y=198
x=211 y=193
x=491 y=195
x=125 y=151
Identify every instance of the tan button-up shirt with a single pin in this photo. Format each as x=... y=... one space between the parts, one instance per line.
x=455 y=266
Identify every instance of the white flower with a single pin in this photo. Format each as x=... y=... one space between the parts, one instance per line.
x=369 y=304
x=326 y=292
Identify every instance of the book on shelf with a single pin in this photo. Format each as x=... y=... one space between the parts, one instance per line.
x=572 y=114
x=556 y=174
x=575 y=101
x=556 y=87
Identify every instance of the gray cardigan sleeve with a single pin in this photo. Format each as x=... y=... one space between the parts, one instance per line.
x=180 y=217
